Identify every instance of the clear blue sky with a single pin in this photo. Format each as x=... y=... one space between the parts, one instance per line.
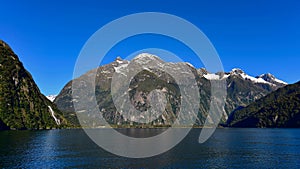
x=256 y=35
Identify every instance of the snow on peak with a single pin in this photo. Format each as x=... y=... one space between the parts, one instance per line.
x=237 y=71
x=271 y=78
x=255 y=80
x=119 y=59
x=120 y=67
x=265 y=78
x=144 y=59
x=146 y=56
x=51 y=97
x=280 y=81
x=121 y=64
x=189 y=64
x=241 y=73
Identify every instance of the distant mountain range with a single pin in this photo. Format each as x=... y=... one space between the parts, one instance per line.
x=242 y=90
x=22 y=106
x=261 y=101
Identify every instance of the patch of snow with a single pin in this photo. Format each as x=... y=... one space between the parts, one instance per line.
x=120 y=61
x=75 y=100
x=240 y=72
x=147 y=69
x=105 y=71
x=118 y=69
x=146 y=56
x=271 y=78
x=212 y=77
x=81 y=111
x=13 y=57
x=236 y=69
x=280 y=81
x=255 y=80
x=189 y=64
x=51 y=97
x=225 y=76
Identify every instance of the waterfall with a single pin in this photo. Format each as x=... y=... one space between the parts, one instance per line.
x=57 y=121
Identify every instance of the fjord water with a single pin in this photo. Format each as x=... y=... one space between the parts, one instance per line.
x=227 y=148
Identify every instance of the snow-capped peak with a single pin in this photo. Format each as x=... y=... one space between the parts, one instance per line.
x=271 y=78
x=144 y=59
x=265 y=78
x=51 y=97
x=189 y=64
x=240 y=72
x=121 y=64
x=237 y=71
x=119 y=59
x=146 y=56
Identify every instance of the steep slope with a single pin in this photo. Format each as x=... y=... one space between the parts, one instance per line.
x=242 y=90
x=22 y=106
x=278 y=109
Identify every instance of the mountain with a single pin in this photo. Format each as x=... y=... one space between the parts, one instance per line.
x=242 y=90
x=272 y=79
x=51 y=97
x=281 y=108
x=22 y=106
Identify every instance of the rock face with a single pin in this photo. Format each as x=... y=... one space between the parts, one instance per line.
x=281 y=108
x=22 y=106
x=242 y=90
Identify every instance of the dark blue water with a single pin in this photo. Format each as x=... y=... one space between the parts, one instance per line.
x=228 y=148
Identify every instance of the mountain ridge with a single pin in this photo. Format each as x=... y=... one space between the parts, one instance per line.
x=242 y=89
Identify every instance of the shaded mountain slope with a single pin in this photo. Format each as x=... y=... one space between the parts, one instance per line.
x=22 y=106
x=281 y=108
